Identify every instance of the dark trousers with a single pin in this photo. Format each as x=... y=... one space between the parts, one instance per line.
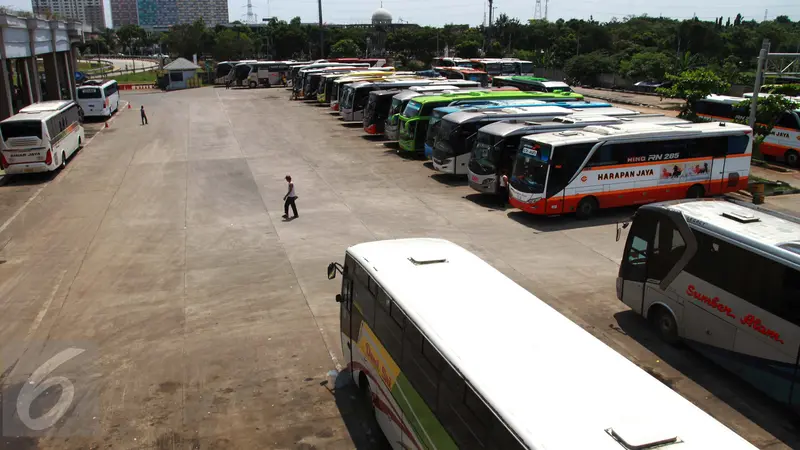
x=289 y=202
x=144 y=119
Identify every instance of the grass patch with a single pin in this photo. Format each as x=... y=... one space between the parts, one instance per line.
x=138 y=77
x=773 y=187
x=84 y=66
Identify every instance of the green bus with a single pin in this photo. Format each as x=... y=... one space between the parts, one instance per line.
x=414 y=120
x=525 y=83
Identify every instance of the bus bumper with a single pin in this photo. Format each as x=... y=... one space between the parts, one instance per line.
x=335 y=106
x=447 y=165
x=485 y=184
x=34 y=167
x=407 y=146
x=428 y=152
x=372 y=129
x=391 y=132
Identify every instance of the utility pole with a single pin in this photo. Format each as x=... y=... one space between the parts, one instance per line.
x=762 y=60
x=321 y=33
x=491 y=20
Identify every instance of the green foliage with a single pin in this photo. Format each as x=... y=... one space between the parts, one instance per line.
x=186 y=39
x=345 y=48
x=693 y=85
x=130 y=35
x=233 y=45
x=468 y=49
x=792 y=90
x=649 y=66
x=585 y=68
x=768 y=110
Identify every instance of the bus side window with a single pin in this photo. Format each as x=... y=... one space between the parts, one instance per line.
x=451 y=408
x=606 y=155
x=422 y=375
x=668 y=247
x=566 y=161
x=790 y=307
x=788 y=120
x=362 y=298
x=389 y=332
x=737 y=145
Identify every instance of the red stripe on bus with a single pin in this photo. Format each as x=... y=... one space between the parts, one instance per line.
x=770 y=149
x=385 y=407
x=622 y=197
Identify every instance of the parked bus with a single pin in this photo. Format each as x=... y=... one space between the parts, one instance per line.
x=340 y=83
x=724 y=278
x=241 y=72
x=457 y=132
x=41 y=137
x=436 y=116
x=464 y=73
x=358 y=94
x=326 y=86
x=449 y=62
x=373 y=62
x=434 y=360
x=414 y=120
x=524 y=83
x=268 y=73
x=312 y=78
x=399 y=102
x=616 y=165
x=495 y=148
x=297 y=82
x=784 y=141
x=99 y=98
x=222 y=70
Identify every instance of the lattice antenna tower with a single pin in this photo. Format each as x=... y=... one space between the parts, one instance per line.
x=250 y=15
x=537 y=10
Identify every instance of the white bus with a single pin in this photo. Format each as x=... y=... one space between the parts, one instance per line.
x=579 y=171
x=725 y=278
x=784 y=141
x=453 y=354
x=268 y=73
x=41 y=137
x=99 y=98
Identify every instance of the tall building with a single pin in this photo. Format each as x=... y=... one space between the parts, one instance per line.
x=86 y=11
x=124 y=12
x=162 y=14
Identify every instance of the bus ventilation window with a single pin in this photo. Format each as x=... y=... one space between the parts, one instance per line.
x=741 y=217
x=639 y=438
x=421 y=260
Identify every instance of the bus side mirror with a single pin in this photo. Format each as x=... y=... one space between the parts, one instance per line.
x=332 y=272
x=338 y=298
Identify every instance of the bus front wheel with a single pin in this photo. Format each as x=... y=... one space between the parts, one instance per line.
x=253 y=84
x=792 y=158
x=664 y=323
x=586 y=208
x=366 y=394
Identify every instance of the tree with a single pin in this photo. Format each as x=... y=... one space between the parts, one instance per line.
x=186 y=39
x=345 y=48
x=232 y=45
x=768 y=110
x=468 y=49
x=130 y=35
x=650 y=66
x=585 y=68
x=693 y=85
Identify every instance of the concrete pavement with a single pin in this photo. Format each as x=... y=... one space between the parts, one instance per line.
x=212 y=323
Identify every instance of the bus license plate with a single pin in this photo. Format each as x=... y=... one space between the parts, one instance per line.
x=28 y=170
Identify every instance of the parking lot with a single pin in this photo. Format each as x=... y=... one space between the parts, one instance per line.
x=210 y=320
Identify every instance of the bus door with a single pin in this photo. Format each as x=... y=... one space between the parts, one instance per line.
x=718 y=148
x=565 y=162
x=346 y=317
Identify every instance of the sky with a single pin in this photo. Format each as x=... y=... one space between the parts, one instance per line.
x=441 y=12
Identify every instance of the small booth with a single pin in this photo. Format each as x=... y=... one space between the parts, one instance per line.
x=179 y=72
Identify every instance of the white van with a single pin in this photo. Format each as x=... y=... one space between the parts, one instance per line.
x=99 y=98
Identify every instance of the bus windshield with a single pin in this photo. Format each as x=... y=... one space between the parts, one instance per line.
x=86 y=92
x=21 y=128
x=412 y=109
x=530 y=169
x=483 y=153
x=526 y=67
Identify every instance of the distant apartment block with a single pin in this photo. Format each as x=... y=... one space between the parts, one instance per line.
x=162 y=14
x=87 y=11
x=124 y=12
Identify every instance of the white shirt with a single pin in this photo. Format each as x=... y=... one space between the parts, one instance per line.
x=291 y=191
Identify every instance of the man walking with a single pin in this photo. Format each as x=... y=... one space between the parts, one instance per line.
x=144 y=116
x=289 y=199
